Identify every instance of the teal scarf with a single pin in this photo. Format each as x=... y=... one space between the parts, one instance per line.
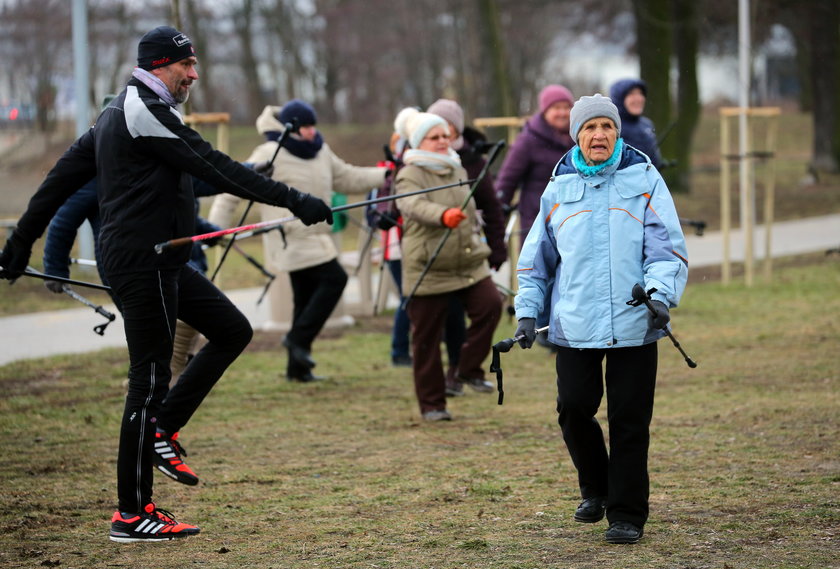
x=586 y=170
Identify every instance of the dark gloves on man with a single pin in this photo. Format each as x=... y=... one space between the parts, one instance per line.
x=15 y=257
x=308 y=208
x=659 y=316
x=526 y=332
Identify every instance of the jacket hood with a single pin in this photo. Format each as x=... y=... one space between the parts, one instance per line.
x=268 y=121
x=619 y=91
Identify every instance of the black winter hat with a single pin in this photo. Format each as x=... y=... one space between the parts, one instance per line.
x=163 y=46
x=297 y=110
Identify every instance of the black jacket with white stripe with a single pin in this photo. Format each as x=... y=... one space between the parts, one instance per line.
x=143 y=156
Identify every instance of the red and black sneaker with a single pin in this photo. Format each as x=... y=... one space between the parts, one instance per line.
x=151 y=525
x=168 y=459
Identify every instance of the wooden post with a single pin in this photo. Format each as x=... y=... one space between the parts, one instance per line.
x=222 y=143
x=513 y=125
x=725 y=214
x=747 y=189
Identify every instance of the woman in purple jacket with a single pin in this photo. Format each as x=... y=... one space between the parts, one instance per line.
x=541 y=144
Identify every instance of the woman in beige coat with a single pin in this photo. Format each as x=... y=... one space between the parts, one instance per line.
x=308 y=253
x=460 y=269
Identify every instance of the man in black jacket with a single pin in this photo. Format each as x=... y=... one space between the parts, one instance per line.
x=143 y=157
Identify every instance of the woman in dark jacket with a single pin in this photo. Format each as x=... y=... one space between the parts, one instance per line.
x=628 y=95
x=529 y=162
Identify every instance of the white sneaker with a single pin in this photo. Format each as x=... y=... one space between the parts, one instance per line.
x=437 y=415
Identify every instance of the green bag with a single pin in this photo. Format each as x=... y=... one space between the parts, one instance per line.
x=339 y=218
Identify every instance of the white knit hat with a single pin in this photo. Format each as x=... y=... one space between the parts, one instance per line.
x=413 y=125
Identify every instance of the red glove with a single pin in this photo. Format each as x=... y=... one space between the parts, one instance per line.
x=452 y=217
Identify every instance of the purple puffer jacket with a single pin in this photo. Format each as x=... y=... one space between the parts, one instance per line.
x=528 y=166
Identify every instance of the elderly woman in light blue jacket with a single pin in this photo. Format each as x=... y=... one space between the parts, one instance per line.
x=606 y=222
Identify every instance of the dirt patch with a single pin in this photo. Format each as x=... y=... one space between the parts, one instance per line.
x=272 y=341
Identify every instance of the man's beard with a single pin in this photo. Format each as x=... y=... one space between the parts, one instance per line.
x=182 y=97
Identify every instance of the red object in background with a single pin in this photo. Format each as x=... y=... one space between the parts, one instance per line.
x=13 y=114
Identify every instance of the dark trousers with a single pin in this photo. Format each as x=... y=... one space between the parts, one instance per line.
x=620 y=474
x=316 y=292
x=483 y=305
x=455 y=330
x=151 y=302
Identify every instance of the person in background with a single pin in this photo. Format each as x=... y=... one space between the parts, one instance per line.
x=471 y=145
x=461 y=268
x=307 y=252
x=544 y=140
x=143 y=155
x=385 y=216
x=606 y=223
x=629 y=96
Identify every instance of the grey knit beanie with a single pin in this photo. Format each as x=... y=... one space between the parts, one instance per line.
x=453 y=113
x=587 y=108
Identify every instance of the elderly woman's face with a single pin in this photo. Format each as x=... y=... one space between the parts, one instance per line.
x=597 y=139
x=436 y=140
x=557 y=115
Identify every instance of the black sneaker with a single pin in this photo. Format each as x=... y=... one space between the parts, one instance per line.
x=168 y=453
x=623 y=532
x=591 y=510
x=401 y=361
x=151 y=525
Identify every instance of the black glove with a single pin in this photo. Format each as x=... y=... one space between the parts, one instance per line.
x=497 y=259
x=528 y=330
x=308 y=208
x=54 y=286
x=662 y=316
x=15 y=257
x=265 y=168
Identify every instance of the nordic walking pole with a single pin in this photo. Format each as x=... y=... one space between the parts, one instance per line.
x=100 y=329
x=504 y=347
x=289 y=128
x=490 y=158
x=271 y=276
x=271 y=224
x=642 y=297
x=31 y=273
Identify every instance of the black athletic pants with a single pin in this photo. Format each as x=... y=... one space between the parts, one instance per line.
x=620 y=474
x=151 y=303
x=316 y=291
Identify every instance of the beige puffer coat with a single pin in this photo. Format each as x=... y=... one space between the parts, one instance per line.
x=307 y=246
x=463 y=260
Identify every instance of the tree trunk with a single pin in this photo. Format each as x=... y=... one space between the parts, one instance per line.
x=197 y=33
x=653 y=44
x=494 y=45
x=243 y=24
x=825 y=80
x=686 y=40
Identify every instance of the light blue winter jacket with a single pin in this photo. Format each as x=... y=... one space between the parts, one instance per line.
x=594 y=238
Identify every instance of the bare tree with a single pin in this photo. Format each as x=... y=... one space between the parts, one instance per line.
x=38 y=32
x=242 y=16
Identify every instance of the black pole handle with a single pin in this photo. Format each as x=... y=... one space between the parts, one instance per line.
x=641 y=297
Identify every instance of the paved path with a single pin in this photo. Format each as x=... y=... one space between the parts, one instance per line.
x=71 y=331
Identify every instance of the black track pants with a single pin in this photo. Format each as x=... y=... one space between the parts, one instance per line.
x=622 y=473
x=316 y=291
x=151 y=303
